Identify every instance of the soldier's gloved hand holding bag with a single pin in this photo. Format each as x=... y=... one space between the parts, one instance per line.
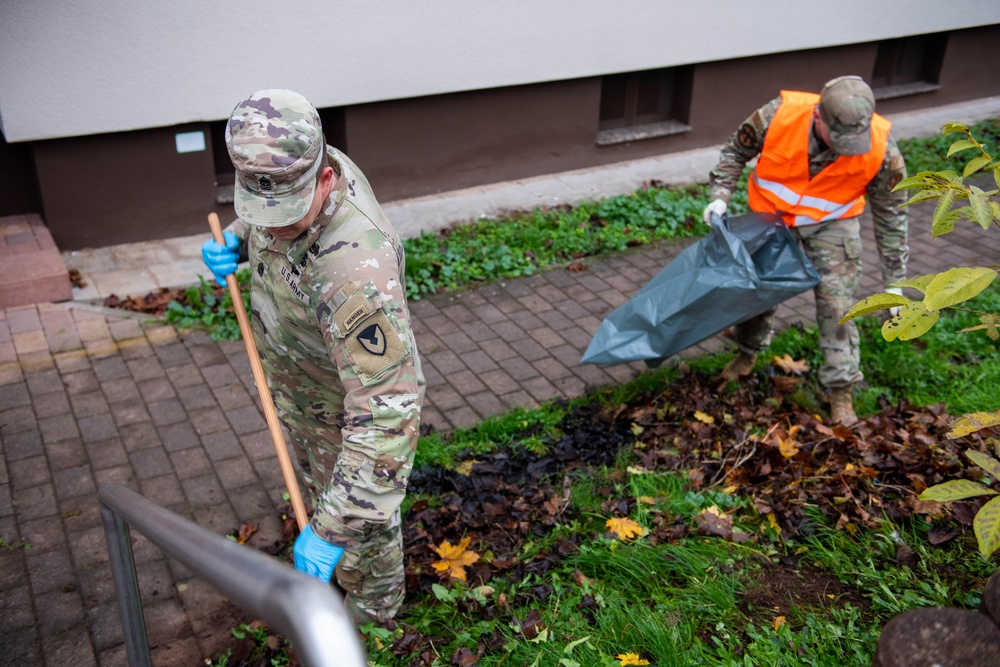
x=717 y=207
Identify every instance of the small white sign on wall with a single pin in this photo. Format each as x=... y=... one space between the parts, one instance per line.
x=190 y=142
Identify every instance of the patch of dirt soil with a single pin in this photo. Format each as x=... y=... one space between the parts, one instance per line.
x=780 y=587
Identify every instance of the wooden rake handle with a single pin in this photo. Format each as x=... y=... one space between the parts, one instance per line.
x=265 y=396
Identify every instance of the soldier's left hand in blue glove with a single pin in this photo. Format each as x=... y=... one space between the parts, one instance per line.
x=316 y=556
x=220 y=259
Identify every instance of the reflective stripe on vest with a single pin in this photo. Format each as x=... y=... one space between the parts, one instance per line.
x=781 y=183
x=832 y=209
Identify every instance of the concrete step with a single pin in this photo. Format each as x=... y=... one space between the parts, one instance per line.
x=31 y=268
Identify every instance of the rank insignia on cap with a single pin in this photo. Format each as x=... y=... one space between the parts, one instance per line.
x=372 y=339
x=265 y=183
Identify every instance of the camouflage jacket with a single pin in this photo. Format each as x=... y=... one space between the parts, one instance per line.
x=890 y=221
x=332 y=327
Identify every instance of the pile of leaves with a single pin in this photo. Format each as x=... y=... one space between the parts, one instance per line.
x=153 y=303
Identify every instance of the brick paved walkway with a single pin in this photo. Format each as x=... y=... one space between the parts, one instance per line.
x=88 y=396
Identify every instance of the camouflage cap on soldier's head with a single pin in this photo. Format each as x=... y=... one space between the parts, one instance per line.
x=846 y=105
x=275 y=140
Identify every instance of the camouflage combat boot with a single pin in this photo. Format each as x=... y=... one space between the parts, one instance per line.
x=842 y=406
x=739 y=367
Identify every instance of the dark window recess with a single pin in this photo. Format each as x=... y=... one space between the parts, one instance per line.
x=334 y=127
x=908 y=65
x=642 y=105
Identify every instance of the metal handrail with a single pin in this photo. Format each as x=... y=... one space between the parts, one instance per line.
x=310 y=614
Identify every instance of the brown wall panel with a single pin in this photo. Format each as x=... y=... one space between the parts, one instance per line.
x=119 y=188
x=445 y=142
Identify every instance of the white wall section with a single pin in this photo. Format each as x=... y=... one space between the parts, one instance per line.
x=73 y=67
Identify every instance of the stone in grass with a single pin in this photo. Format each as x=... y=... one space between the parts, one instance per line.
x=942 y=637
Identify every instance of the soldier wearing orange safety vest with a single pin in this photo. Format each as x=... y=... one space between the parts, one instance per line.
x=820 y=157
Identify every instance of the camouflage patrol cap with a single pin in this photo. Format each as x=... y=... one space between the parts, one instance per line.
x=846 y=105
x=275 y=140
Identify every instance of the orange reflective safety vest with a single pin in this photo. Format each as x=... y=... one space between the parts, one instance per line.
x=780 y=182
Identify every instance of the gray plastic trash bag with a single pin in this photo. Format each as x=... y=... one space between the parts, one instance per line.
x=743 y=267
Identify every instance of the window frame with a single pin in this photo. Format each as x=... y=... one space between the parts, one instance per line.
x=671 y=116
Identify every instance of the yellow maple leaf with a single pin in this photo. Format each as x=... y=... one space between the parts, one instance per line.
x=778 y=622
x=704 y=418
x=454 y=558
x=789 y=365
x=630 y=659
x=624 y=528
x=788 y=446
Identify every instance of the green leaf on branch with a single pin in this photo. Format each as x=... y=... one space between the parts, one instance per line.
x=985 y=461
x=954 y=126
x=962 y=145
x=975 y=164
x=931 y=180
x=956 y=489
x=874 y=303
x=922 y=196
x=987 y=527
x=943 y=207
x=957 y=285
x=981 y=209
x=973 y=422
x=913 y=321
x=946 y=223
x=919 y=283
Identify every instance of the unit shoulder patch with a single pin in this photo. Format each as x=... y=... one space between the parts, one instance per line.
x=375 y=347
x=747 y=136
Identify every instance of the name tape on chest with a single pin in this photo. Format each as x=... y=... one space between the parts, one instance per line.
x=292 y=280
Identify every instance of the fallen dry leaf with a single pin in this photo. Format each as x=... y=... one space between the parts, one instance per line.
x=625 y=659
x=711 y=521
x=624 y=528
x=704 y=418
x=454 y=558
x=778 y=622
x=246 y=531
x=789 y=365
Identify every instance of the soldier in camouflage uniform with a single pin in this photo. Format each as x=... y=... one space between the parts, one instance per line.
x=331 y=323
x=842 y=123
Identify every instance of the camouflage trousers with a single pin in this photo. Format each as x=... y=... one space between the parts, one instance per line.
x=834 y=248
x=371 y=570
x=372 y=575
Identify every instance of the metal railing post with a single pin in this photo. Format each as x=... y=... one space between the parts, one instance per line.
x=119 y=541
x=305 y=610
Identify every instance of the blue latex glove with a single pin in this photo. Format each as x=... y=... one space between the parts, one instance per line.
x=315 y=556
x=220 y=259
